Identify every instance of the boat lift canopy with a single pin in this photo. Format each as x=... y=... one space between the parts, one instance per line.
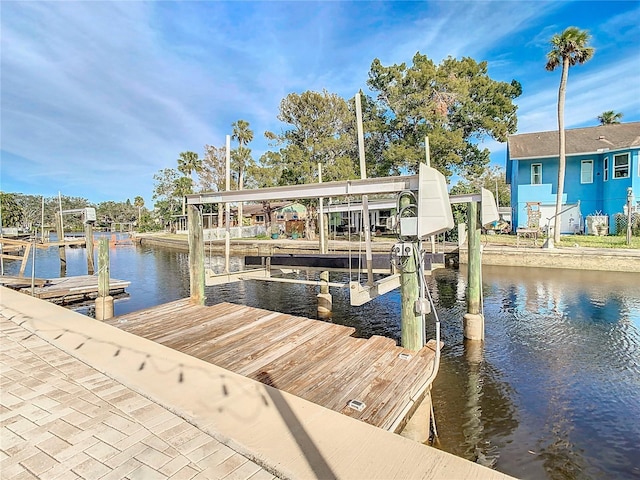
x=433 y=212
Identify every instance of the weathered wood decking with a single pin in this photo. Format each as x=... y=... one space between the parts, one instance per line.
x=315 y=360
x=67 y=290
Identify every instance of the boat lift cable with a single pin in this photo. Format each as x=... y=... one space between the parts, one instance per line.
x=425 y=292
x=349 y=234
x=481 y=292
x=360 y=230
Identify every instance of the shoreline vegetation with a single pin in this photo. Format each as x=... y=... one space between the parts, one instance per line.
x=576 y=253
x=506 y=240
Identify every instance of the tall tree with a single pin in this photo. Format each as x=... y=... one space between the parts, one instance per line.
x=610 y=118
x=454 y=104
x=10 y=210
x=213 y=173
x=492 y=178
x=321 y=130
x=567 y=49
x=165 y=194
x=241 y=156
x=139 y=203
x=188 y=162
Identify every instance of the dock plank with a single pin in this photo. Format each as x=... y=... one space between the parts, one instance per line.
x=296 y=363
x=319 y=361
x=398 y=391
x=262 y=339
x=277 y=350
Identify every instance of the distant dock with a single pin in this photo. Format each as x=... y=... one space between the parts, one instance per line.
x=64 y=290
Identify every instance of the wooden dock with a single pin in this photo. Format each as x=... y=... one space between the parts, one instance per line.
x=66 y=290
x=315 y=360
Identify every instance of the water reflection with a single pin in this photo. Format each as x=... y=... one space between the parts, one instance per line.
x=554 y=392
x=562 y=354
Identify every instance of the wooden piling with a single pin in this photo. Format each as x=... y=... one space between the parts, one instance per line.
x=61 y=248
x=325 y=300
x=104 y=301
x=103 y=267
x=473 y=322
x=412 y=330
x=25 y=257
x=196 y=255
x=88 y=234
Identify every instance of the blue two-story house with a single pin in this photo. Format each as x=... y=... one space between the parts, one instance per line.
x=601 y=164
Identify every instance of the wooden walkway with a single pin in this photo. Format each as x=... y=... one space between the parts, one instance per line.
x=66 y=290
x=315 y=360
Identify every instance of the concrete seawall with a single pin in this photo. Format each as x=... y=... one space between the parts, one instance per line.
x=577 y=258
x=610 y=260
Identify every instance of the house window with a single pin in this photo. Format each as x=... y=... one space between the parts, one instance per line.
x=279 y=217
x=259 y=218
x=621 y=166
x=606 y=168
x=586 y=171
x=536 y=174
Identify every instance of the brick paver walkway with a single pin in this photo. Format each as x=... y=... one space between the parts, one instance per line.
x=60 y=418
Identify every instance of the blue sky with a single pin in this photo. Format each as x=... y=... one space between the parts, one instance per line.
x=97 y=97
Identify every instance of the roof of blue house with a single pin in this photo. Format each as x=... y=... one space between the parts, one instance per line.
x=578 y=141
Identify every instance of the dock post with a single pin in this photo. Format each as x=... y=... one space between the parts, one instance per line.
x=325 y=301
x=88 y=234
x=104 y=302
x=473 y=321
x=196 y=255
x=412 y=329
x=61 y=247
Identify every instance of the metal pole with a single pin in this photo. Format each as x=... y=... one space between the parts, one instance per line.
x=321 y=223
x=227 y=207
x=1 y=244
x=365 y=199
x=427 y=151
x=33 y=267
x=629 y=216
x=42 y=221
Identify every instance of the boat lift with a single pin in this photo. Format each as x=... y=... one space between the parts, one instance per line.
x=430 y=215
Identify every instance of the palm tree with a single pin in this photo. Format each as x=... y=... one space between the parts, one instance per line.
x=188 y=162
x=568 y=49
x=610 y=118
x=138 y=202
x=241 y=155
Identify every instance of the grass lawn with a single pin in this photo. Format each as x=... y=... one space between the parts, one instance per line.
x=609 y=241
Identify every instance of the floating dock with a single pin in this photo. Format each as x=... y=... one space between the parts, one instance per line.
x=66 y=290
x=315 y=360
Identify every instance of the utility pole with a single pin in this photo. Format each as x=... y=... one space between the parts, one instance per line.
x=629 y=215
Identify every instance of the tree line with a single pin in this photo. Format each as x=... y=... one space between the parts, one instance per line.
x=29 y=211
x=455 y=104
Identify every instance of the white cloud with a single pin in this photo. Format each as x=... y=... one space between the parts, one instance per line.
x=101 y=95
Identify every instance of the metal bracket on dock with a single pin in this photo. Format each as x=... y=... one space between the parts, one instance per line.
x=213 y=279
x=361 y=294
x=357 y=405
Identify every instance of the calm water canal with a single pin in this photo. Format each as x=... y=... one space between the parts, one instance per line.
x=553 y=393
